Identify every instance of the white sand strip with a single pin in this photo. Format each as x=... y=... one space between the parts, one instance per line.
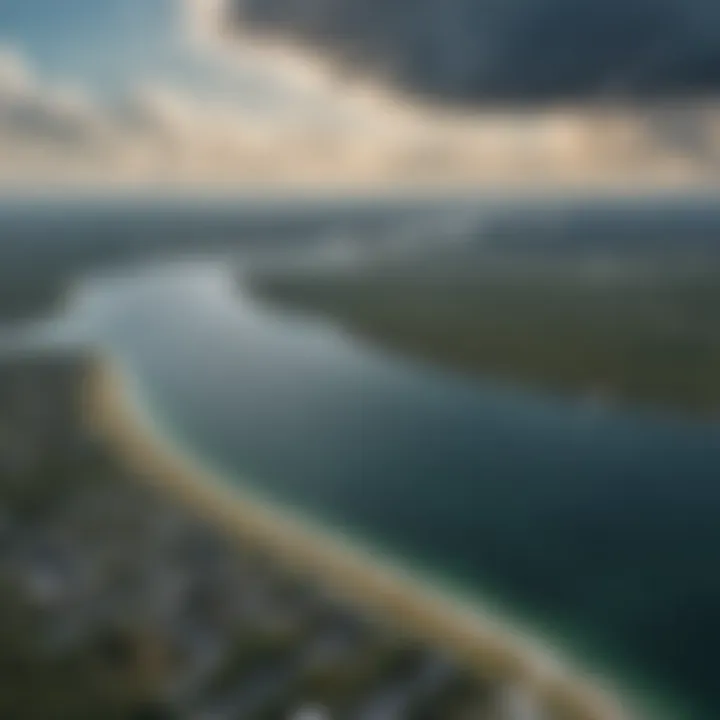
x=469 y=633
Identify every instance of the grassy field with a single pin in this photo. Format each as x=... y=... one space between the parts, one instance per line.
x=653 y=341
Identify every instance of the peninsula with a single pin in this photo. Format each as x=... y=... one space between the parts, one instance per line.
x=605 y=334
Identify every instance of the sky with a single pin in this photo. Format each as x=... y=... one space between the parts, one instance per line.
x=97 y=93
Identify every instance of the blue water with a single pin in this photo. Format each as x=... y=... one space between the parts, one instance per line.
x=599 y=525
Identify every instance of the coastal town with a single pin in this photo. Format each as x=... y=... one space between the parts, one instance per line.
x=119 y=601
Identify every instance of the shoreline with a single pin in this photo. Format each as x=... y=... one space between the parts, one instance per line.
x=483 y=642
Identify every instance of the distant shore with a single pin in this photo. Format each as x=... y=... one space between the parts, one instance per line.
x=483 y=642
x=652 y=344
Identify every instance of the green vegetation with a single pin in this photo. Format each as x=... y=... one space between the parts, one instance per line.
x=76 y=685
x=654 y=341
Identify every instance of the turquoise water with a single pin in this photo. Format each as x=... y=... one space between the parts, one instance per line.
x=597 y=526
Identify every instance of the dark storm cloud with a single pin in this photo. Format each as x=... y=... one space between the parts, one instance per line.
x=516 y=50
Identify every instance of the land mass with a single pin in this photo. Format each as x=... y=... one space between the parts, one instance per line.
x=648 y=338
x=134 y=585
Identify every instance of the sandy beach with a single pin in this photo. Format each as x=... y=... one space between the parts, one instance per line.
x=471 y=634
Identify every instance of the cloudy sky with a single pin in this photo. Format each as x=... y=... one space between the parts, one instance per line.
x=159 y=92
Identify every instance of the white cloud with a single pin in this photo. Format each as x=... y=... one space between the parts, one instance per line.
x=46 y=129
x=15 y=77
x=292 y=72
